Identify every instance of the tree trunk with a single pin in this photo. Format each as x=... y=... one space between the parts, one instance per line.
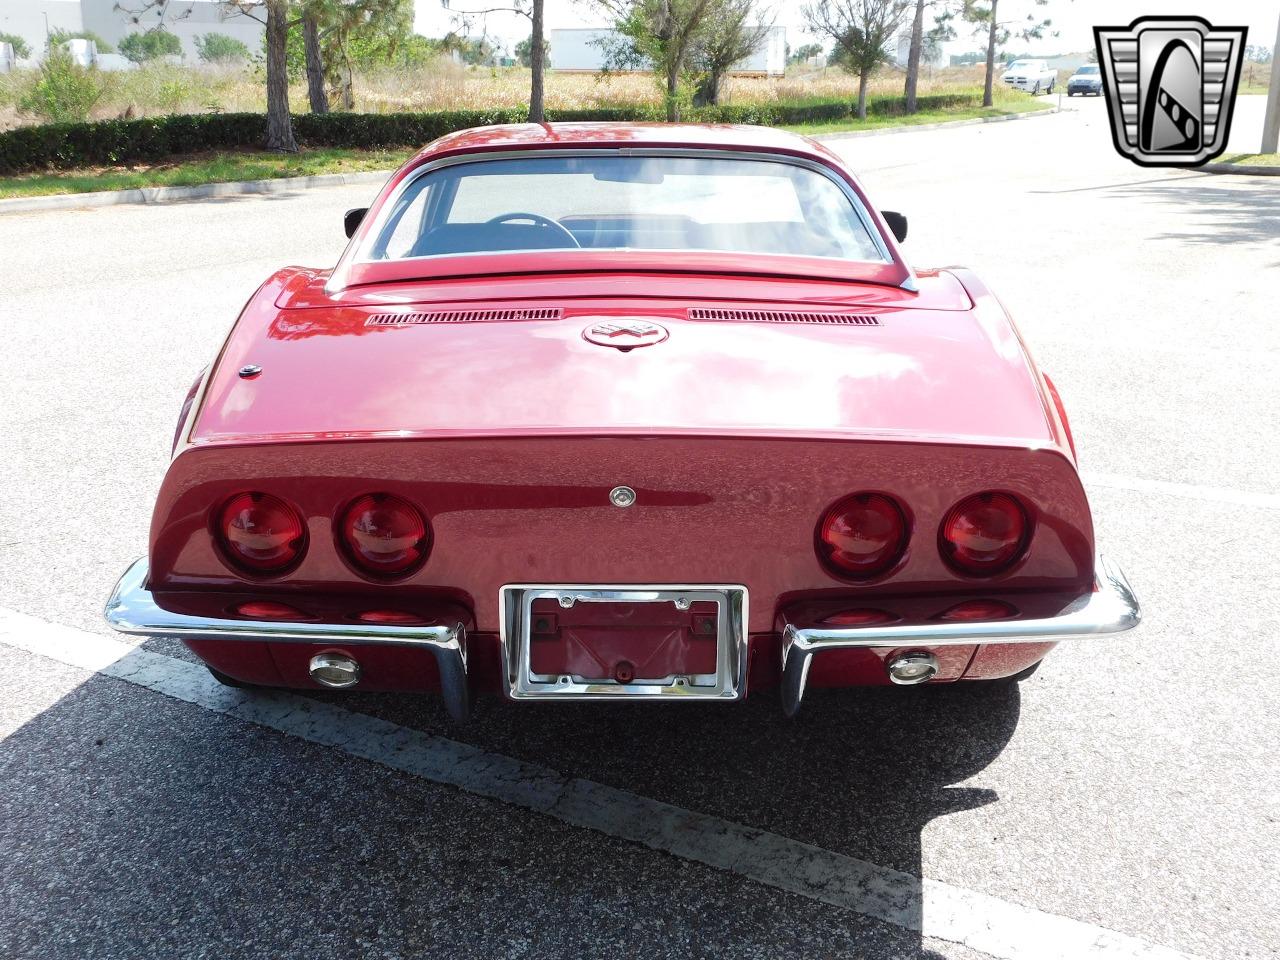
x=279 y=123
x=673 y=91
x=710 y=88
x=913 y=58
x=315 y=66
x=987 y=99
x=348 y=81
x=1271 y=117
x=537 y=56
x=863 y=77
x=342 y=75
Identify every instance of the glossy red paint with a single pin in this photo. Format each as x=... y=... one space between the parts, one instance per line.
x=911 y=377
x=736 y=436
x=536 y=510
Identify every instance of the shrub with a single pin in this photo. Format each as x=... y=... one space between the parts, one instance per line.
x=151 y=45
x=65 y=91
x=20 y=48
x=59 y=37
x=220 y=48
x=68 y=145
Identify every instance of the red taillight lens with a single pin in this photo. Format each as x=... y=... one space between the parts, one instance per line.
x=860 y=617
x=862 y=536
x=984 y=534
x=970 y=611
x=384 y=535
x=270 y=610
x=391 y=618
x=261 y=533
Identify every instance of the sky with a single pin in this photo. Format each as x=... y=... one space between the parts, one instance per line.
x=1072 y=19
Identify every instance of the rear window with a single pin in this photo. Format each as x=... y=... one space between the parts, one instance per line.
x=615 y=202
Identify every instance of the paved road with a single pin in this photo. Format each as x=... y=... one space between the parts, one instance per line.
x=1131 y=786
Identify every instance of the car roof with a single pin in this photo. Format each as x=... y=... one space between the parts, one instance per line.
x=516 y=136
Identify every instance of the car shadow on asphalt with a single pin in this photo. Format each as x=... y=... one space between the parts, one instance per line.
x=862 y=772
x=204 y=832
x=1218 y=209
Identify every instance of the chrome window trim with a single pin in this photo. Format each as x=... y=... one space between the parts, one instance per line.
x=386 y=207
x=727 y=684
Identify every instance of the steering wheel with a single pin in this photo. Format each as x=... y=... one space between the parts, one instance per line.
x=538 y=219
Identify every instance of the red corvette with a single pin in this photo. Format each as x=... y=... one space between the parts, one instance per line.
x=614 y=412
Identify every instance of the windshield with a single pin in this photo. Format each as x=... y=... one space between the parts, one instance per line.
x=1019 y=65
x=1087 y=70
x=615 y=202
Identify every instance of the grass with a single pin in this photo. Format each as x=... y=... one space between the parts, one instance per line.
x=220 y=167
x=1005 y=109
x=1250 y=160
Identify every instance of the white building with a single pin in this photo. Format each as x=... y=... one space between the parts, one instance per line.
x=186 y=19
x=583 y=50
x=930 y=56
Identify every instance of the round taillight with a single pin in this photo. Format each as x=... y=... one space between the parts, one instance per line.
x=862 y=536
x=384 y=535
x=984 y=534
x=261 y=533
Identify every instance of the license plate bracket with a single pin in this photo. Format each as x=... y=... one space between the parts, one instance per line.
x=566 y=641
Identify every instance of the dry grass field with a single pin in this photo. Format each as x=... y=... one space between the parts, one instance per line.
x=441 y=85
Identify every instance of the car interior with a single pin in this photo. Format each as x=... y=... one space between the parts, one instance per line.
x=523 y=231
x=449 y=212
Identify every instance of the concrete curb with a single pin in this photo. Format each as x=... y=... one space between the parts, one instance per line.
x=915 y=128
x=1243 y=169
x=108 y=198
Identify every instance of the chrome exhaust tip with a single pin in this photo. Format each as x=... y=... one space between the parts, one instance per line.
x=915 y=667
x=335 y=670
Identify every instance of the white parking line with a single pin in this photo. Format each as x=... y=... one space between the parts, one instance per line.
x=935 y=909
x=1192 y=491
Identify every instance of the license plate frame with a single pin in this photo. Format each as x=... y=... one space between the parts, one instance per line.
x=727 y=683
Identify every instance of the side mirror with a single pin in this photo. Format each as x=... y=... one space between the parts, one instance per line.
x=897 y=223
x=351 y=219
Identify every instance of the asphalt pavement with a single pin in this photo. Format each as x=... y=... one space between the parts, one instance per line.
x=1126 y=796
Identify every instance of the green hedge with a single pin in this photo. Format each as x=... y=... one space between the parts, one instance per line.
x=110 y=142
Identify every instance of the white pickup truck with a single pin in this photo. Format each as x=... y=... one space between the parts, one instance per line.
x=1033 y=76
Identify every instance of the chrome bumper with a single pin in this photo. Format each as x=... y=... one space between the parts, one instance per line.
x=1111 y=608
x=132 y=609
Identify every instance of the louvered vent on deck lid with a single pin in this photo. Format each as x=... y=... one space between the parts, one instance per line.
x=782 y=316
x=463 y=316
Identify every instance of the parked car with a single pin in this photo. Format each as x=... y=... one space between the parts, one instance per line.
x=1034 y=76
x=1085 y=81
x=600 y=412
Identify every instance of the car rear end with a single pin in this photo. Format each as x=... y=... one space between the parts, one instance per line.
x=546 y=586
x=823 y=498
x=524 y=442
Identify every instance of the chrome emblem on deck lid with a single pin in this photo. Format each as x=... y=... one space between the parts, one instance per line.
x=625 y=333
